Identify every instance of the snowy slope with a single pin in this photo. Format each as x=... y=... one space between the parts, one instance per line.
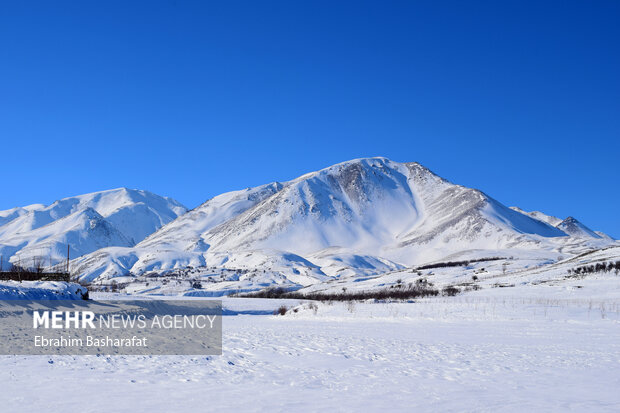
x=10 y=214
x=84 y=231
x=377 y=207
x=41 y=290
x=358 y=218
x=604 y=236
x=570 y=226
x=574 y=228
x=120 y=217
x=549 y=219
x=185 y=233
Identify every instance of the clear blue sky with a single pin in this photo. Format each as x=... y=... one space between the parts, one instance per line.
x=190 y=99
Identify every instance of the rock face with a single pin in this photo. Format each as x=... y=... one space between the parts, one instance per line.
x=355 y=217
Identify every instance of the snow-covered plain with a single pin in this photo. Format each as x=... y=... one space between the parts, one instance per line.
x=531 y=338
x=524 y=348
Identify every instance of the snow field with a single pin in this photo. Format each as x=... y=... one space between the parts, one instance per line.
x=476 y=352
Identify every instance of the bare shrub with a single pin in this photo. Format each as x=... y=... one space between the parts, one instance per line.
x=314 y=307
x=281 y=310
x=450 y=291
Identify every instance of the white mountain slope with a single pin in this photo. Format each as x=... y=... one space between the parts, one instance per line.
x=549 y=219
x=10 y=214
x=357 y=218
x=604 y=236
x=571 y=226
x=185 y=233
x=84 y=230
x=575 y=228
x=377 y=207
x=119 y=217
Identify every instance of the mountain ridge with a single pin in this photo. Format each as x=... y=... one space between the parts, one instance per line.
x=345 y=216
x=352 y=220
x=120 y=217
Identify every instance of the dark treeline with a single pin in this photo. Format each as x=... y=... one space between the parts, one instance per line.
x=37 y=273
x=457 y=263
x=403 y=293
x=22 y=274
x=594 y=268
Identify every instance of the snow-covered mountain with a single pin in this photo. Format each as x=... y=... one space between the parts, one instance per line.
x=570 y=226
x=574 y=228
x=355 y=218
x=118 y=217
x=376 y=207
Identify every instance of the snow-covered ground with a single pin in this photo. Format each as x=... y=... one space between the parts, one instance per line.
x=41 y=290
x=526 y=348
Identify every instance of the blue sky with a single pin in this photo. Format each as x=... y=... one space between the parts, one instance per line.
x=191 y=99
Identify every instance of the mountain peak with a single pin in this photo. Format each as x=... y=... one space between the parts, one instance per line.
x=573 y=227
x=372 y=206
x=120 y=217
